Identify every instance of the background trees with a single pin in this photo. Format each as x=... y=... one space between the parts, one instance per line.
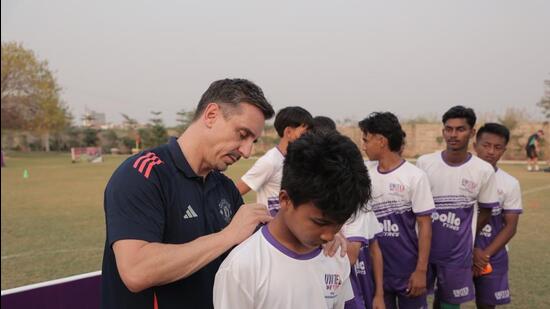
x=30 y=94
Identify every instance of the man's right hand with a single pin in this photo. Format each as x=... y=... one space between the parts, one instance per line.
x=245 y=221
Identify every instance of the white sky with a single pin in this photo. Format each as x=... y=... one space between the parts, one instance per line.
x=335 y=58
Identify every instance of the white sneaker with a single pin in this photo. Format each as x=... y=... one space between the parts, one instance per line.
x=537 y=168
x=529 y=168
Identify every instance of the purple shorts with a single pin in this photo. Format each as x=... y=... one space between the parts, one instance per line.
x=453 y=285
x=362 y=278
x=492 y=289
x=395 y=294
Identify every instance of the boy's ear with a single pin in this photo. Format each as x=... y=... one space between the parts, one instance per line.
x=284 y=200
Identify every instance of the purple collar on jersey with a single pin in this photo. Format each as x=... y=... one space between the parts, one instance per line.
x=457 y=165
x=393 y=169
x=285 y=250
x=282 y=154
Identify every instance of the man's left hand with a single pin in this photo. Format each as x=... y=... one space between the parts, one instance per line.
x=339 y=241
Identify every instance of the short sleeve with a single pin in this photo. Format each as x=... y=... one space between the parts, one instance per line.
x=421 y=197
x=512 y=202
x=364 y=227
x=420 y=163
x=346 y=296
x=488 y=196
x=259 y=173
x=134 y=205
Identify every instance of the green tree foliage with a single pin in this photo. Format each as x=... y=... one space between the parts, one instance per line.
x=89 y=137
x=30 y=95
x=155 y=133
x=544 y=102
x=184 y=119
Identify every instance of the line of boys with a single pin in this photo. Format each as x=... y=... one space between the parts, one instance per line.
x=443 y=193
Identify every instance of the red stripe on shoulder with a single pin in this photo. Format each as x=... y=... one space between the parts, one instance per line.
x=145 y=163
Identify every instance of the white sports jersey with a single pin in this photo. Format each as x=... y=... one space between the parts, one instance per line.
x=398 y=196
x=364 y=227
x=509 y=197
x=265 y=178
x=457 y=192
x=262 y=273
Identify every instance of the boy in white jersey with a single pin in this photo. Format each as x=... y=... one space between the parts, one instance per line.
x=460 y=182
x=403 y=204
x=265 y=175
x=492 y=289
x=281 y=266
x=365 y=257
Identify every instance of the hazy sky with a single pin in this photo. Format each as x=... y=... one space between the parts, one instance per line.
x=336 y=58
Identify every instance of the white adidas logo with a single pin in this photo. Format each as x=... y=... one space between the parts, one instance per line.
x=190 y=213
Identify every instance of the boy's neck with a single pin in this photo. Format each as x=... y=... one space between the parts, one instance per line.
x=280 y=232
x=456 y=157
x=283 y=145
x=389 y=162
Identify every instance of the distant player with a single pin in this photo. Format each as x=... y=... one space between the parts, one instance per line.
x=532 y=148
x=403 y=204
x=323 y=123
x=281 y=266
x=265 y=175
x=460 y=184
x=492 y=289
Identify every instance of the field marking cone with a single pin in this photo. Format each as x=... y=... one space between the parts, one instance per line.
x=25 y=174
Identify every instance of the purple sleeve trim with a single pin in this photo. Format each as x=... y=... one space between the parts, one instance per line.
x=488 y=205
x=512 y=211
x=359 y=239
x=425 y=212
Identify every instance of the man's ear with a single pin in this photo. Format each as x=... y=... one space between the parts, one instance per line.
x=211 y=113
x=473 y=133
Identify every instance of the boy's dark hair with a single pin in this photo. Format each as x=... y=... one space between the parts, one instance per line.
x=292 y=116
x=232 y=92
x=387 y=125
x=322 y=123
x=326 y=168
x=460 y=111
x=494 y=128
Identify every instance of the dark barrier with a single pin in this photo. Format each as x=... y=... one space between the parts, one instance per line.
x=81 y=291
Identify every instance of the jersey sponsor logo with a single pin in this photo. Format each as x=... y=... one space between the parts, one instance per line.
x=397 y=187
x=461 y=292
x=273 y=205
x=502 y=294
x=332 y=283
x=486 y=231
x=225 y=210
x=190 y=213
x=360 y=268
x=468 y=185
x=389 y=229
x=448 y=220
x=145 y=163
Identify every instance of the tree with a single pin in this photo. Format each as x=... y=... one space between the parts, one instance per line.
x=184 y=119
x=156 y=133
x=90 y=138
x=30 y=95
x=544 y=102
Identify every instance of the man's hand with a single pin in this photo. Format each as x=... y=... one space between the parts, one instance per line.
x=481 y=259
x=245 y=221
x=417 y=284
x=378 y=302
x=339 y=241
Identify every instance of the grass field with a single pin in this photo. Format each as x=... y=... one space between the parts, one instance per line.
x=53 y=223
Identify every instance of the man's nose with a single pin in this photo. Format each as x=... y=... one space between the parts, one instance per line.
x=246 y=149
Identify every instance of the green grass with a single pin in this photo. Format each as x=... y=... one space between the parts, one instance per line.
x=53 y=223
